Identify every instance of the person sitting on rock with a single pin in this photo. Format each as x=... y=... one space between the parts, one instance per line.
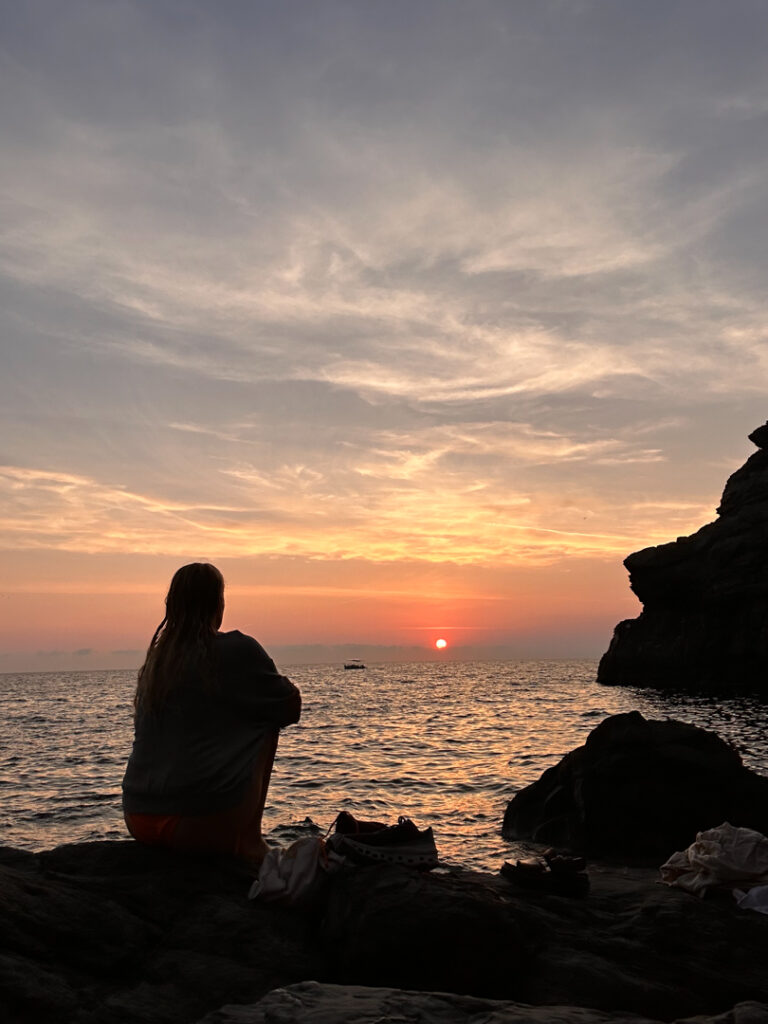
x=208 y=709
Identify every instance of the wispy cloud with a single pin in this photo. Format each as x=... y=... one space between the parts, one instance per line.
x=477 y=285
x=435 y=494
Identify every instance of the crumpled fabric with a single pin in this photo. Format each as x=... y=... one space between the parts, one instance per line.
x=722 y=857
x=291 y=874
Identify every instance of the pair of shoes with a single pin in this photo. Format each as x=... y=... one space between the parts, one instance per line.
x=561 y=876
x=402 y=844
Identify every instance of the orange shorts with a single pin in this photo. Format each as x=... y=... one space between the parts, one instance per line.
x=235 y=831
x=152 y=829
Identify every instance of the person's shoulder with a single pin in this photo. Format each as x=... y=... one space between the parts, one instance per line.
x=241 y=646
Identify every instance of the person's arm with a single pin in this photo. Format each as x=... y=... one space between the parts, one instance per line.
x=260 y=691
x=272 y=698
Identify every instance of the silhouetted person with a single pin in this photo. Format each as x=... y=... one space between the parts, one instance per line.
x=208 y=708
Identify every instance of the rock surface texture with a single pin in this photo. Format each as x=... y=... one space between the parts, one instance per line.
x=639 y=789
x=311 y=1003
x=113 y=931
x=102 y=933
x=704 y=623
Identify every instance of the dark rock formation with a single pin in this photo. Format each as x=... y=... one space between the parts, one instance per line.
x=102 y=933
x=704 y=623
x=639 y=789
x=334 y=1004
x=96 y=933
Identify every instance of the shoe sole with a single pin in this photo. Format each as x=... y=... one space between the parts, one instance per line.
x=393 y=855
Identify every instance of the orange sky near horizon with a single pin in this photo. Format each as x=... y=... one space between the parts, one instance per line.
x=101 y=620
x=535 y=575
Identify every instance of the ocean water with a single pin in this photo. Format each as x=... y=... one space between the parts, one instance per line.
x=446 y=744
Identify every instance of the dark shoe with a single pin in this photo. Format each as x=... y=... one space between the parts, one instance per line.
x=531 y=867
x=402 y=843
x=348 y=824
x=564 y=862
x=539 y=877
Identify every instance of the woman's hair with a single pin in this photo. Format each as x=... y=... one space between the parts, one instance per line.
x=184 y=639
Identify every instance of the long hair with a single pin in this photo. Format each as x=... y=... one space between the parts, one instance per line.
x=184 y=639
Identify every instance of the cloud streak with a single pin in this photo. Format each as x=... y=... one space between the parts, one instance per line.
x=382 y=282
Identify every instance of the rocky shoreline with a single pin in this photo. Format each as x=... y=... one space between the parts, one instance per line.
x=101 y=933
x=117 y=933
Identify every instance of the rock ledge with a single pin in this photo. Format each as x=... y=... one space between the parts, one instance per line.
x=111 y=933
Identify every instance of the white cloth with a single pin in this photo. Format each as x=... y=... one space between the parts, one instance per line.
x=290 y=874
x=722 y=857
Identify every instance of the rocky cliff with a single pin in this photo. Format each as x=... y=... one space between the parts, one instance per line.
x=704 y=623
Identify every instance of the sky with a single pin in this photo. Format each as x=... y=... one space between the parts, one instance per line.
x=415 y=317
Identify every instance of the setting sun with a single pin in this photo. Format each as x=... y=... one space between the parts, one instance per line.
x=440 y=644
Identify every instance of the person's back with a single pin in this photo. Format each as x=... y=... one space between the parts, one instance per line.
x=208 y=709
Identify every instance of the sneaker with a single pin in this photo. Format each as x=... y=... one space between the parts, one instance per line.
x=402 y=843
x=348 y=824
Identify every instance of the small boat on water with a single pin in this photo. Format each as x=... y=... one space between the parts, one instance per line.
x=353 y=664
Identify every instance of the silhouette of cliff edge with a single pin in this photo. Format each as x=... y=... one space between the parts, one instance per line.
x=704 y=624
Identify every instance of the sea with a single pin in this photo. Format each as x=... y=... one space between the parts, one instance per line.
x=445 y=744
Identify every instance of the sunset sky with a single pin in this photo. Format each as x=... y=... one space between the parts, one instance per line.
x=414 y=316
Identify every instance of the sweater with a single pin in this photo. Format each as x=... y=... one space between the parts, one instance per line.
x=195 y=754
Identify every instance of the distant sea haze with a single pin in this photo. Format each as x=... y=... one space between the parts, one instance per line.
x=446 y=744
x=568 y=647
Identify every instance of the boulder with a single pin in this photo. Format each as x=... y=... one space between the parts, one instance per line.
x=704 y=623
x=639 y=789
x=101 y=933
